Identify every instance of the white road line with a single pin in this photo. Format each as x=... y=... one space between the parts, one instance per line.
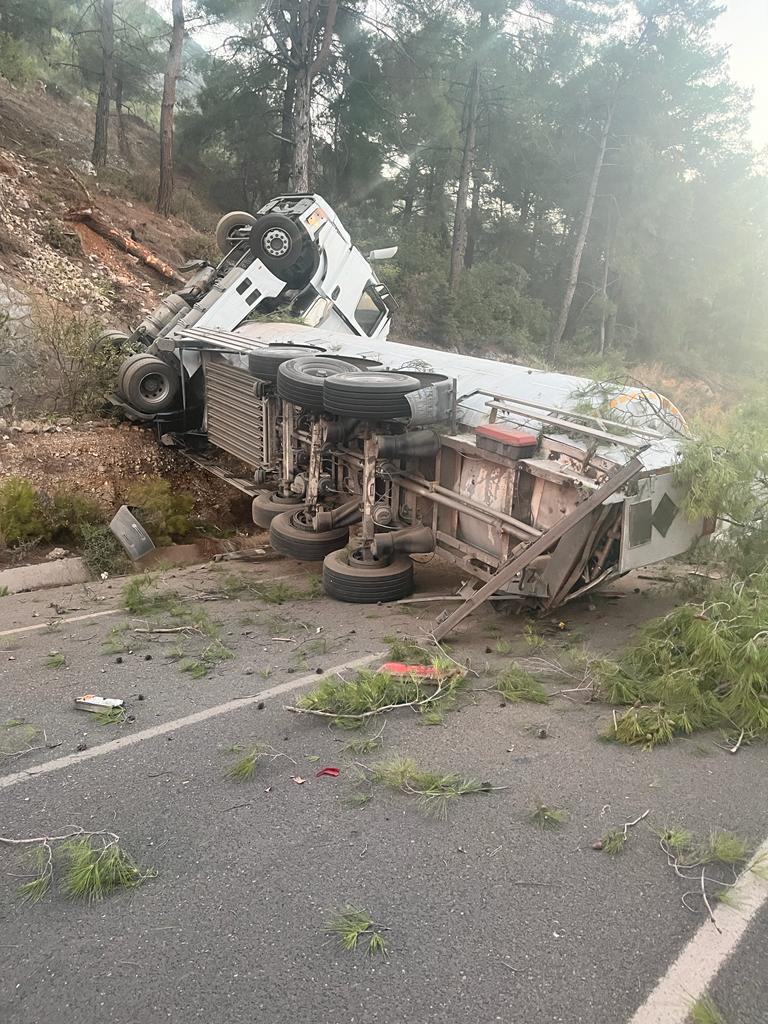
x=112 y=611
x=689 y=977
x=72 y=618
x=178 y=723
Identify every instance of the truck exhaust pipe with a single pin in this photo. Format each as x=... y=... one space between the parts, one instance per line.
x=412 y=540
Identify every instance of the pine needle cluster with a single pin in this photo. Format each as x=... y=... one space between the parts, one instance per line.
x=353 y=924
x=549 y=818
x=435 y=791
x=87 y=866
x=515 y=684
x=700 y=667
x=348 y=702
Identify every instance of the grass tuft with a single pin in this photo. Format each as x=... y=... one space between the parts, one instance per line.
x=548 y=818
x=613 y=841
x=727 y=848
x=111 y=716
x=406 y=650
x=194 y=667
x=15 y=736
x=117 y=640
x=515 y=684
x=56 y=660
x=244 y=768
x=435 y=792
x=94 y=872
x=353 y=924
x=533 y=638
x=364 y=745
x=349 y=702
x=704 y=1011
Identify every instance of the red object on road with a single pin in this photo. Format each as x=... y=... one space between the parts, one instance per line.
x=333 y=772
x=398 y=668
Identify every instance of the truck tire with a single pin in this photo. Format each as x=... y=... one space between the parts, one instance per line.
x=290 y=535
x=279 y=243
x=301 y=380
x=268 y=504
x=149 y=384
x=371 y=395
x=265 y=364
x=231 y=230
x=347 y=578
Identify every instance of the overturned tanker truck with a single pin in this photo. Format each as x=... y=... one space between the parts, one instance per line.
x=536 y=485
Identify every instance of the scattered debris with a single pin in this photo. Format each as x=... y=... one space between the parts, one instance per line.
x=366 y=744
x=515 y=684
x=94 y=865
x=376 y=692
x=699 y=667
x=332 y=772
x=613 y=841
x=697 y=861
x=435 y=791
x=546 y=817
x=245 y=767
x=353 y=924
x=91 y=702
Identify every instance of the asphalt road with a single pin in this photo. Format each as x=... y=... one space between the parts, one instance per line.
x=488 y=919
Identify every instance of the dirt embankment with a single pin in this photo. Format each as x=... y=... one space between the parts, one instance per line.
x=103 y=461
x=45 y=173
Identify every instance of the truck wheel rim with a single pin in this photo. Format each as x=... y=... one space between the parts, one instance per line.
x=276 y=242
x=154 y=387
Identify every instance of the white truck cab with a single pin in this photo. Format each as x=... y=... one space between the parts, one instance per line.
x=296 y=253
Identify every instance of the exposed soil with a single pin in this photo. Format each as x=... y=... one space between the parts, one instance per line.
x=46 y=138
x=103 y=460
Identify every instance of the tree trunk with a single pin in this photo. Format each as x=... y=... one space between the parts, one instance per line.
x=410 y=193
x=307 y=68
x=460 y=220
x=172 y=69
x=286 y=131
x=101 y=132
x=581 y=239
x=302 y=132
x=122 y=137
x=474 y=224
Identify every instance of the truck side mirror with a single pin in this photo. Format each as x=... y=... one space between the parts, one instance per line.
x=382 y=254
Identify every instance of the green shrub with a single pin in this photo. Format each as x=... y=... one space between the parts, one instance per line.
x=72 y=370
x=22 y=512
x=102 y=551
x=69 y=514
x=724 y=472
x=16 y=66
x=164 y=513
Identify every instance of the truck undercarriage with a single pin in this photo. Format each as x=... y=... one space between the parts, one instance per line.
x=536 y=485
